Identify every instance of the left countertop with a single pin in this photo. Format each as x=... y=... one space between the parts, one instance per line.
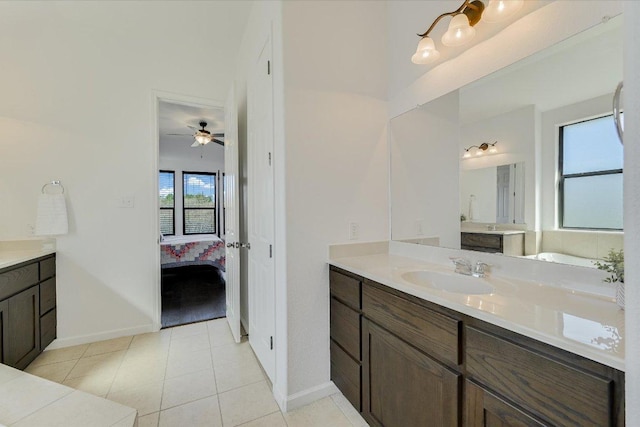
x=9 y=258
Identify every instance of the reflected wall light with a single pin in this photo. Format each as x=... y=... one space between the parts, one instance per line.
x=480 y=149
x=461 y=29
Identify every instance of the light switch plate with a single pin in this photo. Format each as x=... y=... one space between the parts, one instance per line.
x=126 y=201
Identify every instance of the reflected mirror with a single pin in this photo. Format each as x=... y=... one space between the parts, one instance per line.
x=481 y=168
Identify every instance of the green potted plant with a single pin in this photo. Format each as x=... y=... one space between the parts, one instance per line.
x=613 y=264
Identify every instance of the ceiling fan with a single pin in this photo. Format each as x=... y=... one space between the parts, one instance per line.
x=202 y=136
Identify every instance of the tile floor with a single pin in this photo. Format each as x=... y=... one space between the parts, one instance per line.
x=193 y=375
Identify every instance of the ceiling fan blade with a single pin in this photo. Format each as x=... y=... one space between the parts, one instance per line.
x=195 y=144
x=217 y=141
x=193 y=127
x=218 y=134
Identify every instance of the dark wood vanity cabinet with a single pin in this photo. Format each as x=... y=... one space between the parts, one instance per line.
x=508 y=244
x=419 y=364
x=27 y=310
x=402 y=386
x=346 y=349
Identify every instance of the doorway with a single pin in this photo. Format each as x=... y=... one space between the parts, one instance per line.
x=191 y=211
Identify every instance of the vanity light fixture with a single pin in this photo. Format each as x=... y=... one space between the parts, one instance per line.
x=461 y=29
x=480 y=149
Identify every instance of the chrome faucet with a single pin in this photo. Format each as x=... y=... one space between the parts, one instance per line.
x=463 y=265
x=480 y=269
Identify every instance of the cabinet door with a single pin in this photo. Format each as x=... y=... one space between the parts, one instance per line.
x=24 y=328
x=4 y=335
x=403 y=387
x=483 y=409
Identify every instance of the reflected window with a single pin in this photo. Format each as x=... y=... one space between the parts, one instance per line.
x=166 y=187
x=590 y=164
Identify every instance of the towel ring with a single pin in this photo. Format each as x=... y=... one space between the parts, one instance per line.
x=54 y=183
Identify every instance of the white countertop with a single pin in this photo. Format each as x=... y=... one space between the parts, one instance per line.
x=10 y=258
x=587 y=325
x=498 y=232
x=30 y=401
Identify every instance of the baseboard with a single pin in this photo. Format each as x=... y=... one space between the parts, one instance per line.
x=305 y=397
x=85 y=339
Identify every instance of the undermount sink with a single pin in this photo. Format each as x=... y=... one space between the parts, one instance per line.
x=455 y=283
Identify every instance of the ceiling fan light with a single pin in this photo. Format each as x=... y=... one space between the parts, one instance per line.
x=426 y=52
x=459 y=32
x=499 y=10
x=202 y=139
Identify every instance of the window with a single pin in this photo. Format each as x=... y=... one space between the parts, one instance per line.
x=199 y=202
x=167 y=203
x=590 y=175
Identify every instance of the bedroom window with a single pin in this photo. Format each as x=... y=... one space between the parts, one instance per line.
x=590 y=187
x=167 y=202
x=199 y=202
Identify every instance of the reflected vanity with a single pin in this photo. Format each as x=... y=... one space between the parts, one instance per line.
x=508 y=201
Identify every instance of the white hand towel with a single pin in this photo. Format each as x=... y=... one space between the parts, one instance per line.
x=52 y=215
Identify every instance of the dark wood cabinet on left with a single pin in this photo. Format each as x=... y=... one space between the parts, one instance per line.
x=27 y=310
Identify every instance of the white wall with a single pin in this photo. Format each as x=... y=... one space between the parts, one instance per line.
x=189 y=161
x=631 y=209
x=424 y=146
x=335 y=74
x=480 y=183
x=76 y=105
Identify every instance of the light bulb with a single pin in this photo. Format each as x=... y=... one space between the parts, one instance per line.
x=499 y=10
x=202 y=139
x=479 y=152
x=426 y=52
x=466 y=154
x=459 y=32
x=493 y=149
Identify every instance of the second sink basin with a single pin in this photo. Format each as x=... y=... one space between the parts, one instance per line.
x=452 y=282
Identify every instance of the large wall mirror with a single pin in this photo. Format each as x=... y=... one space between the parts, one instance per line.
x=524 y=162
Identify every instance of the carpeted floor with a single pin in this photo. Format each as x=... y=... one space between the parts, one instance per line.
x=192 y=294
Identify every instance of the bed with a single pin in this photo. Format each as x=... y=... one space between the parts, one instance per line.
x=194 y=249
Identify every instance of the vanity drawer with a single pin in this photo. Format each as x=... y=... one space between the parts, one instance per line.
x=17 y=280
x=433 y=333
x=48 y=328
x=345 y=374
x=47 y=295
x=345 y=288
x=47 y=268
x=345 y=328
x=553 y=391
x=480 y=240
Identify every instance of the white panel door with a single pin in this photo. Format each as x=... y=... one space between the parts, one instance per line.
x=231 y=213
x=261 y=211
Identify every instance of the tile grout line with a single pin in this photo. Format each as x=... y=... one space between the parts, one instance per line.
x=215 y=379
x=164 y=377
x=115 y=374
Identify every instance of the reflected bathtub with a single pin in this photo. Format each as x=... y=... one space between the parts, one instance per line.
x=563 y=259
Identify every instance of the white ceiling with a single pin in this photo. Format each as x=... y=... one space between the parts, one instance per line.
x=582 y=67
x=175 y=118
